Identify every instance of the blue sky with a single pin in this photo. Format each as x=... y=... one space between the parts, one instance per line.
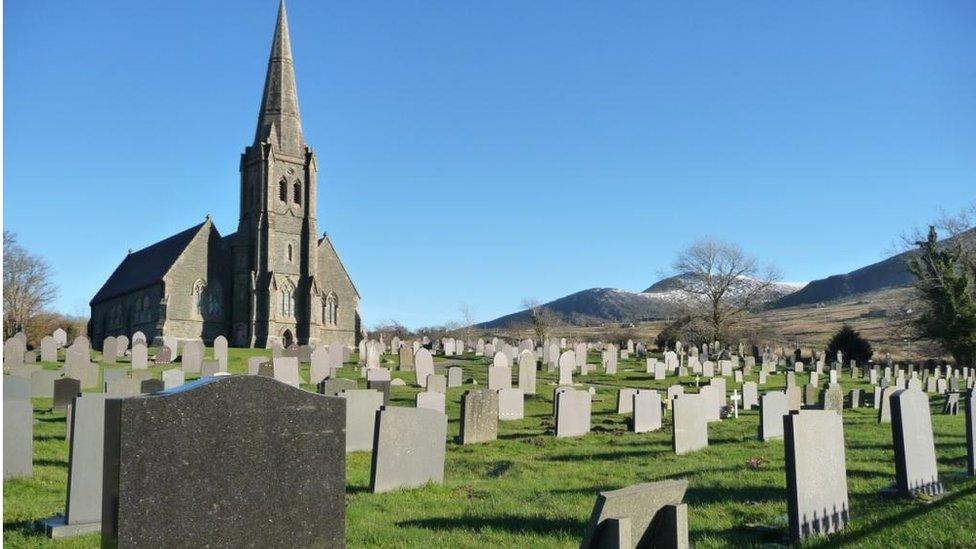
x=484 y=152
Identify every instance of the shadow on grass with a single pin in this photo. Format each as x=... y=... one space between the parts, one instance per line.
x=699 y=495
x=25 y=527
x=52 y=462
x=509 y=523
x=853 y=537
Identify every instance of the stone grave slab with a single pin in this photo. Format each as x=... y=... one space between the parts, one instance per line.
x=573 y=413
x=816 y=473
x=689 y=423
x=511 y=404
x=479 y=416
x=409 y=448
x=650 y=514
x=911 y=430
x=361 y=408
x=18 y=438
x=431 y=400
x=647 y=411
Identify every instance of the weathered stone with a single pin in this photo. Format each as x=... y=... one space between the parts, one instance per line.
x=793 y=398
x=971 y=432
x=42 y=383
x=567 y=363
x=159 y=452
x=83 y=506
x=690 y=424
x=123 y=387
x=526 y=372
x=479 y=416
x=573 y=413
x=209 y=367
x=409 y=449
x=16 y=388
x=711 y=402
x=49 y=349
x=773 y=406
x=511 y=404
x=431 y=400
x=911 y=431
x=884 y=404
x=18 y=437
x=643 y=515
x=65 y=391
x=454 y=374
x=173 y=377
x=423 y=366
x=646 y=406
x=192 y=357
x=164 y=355
x=855 y=398
x=383 y=386
x=625 y=400
x=286 y=370
x=150 y=386
x=499 y=377
x=361 y=407
x=437 y=383
x=816 y=473
x=833 y=399
x=110 y=350
x=750 y=395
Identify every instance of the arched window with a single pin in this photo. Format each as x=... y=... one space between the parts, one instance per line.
x=283 y=191
x=199 y=297
x=297 y=192
x=289 y=252
x=330 y=310
x=288 y=301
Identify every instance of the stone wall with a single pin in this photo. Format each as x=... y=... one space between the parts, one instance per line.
x=135 y=315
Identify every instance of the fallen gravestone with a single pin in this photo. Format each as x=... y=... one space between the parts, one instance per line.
x=409 y=448
x=170 y=482
x=643 y=515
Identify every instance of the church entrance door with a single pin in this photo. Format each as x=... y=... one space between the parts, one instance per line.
x=287 y=339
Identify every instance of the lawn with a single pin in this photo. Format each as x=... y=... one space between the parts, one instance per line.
x=529 y=489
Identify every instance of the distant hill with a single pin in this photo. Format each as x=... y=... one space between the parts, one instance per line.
x=889 y=273
x=597 y=306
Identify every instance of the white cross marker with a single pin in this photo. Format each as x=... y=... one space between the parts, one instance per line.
x=735 y=402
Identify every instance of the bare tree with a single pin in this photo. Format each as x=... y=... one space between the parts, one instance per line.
x=721 y=283
x=467 y=322
x=946 y=224
x=27 y=285
x=543 y=319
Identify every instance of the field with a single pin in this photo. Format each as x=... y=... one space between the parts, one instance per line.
x=529 y=489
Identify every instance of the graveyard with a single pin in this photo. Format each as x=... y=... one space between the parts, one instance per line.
x=529 y=487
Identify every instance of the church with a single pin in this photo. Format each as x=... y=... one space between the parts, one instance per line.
x=274 y=281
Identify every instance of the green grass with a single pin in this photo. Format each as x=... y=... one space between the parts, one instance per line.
x=529 y=489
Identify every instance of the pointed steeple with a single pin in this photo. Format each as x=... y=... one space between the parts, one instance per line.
x=279 y=104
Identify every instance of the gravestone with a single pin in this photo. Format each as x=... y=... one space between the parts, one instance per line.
x=437 y=383
x=377 y=374
x=150 y=386
x=479 y=416
x=361 y=407
x=750 y=395
x=110 y=350
x=646 y=406
x=173 y=377
x=511 y=404
x=49 y=349
x=254 y=364
x=60 y=337
x=884 y=404
x=499 y=377
x=567 y=363
x=855 y=398
x=286 y=370
x=833 y=399
x=123 y=387
x=140 y=356
x=338 y=355
x=816 y=473
x=625 y=400
x=209 y=367
x=711 y=403
x=526 y=372
x=573 y=413
x=83 y=505
x=220 y=352
x=334 y=386
x=409 y=449
x=650 y=514
x=164 y=355
x=383 y=386
x=423 y=366
x=971 y=432
x=138 y=336
x=811 y=396
x=773 y=406
x=318 y=365
x=156 y=462
x=431 y=400
x=65 y=391
x=911 y=432
x=16 y=388
x=793 y=398
x=18 y=436
x=192 y=357
x=689 y=423
x=454 y=374
x=42 y=383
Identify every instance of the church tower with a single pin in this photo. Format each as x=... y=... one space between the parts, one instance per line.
x=275 y=248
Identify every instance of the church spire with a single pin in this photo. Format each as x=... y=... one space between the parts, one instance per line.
x=279 y=104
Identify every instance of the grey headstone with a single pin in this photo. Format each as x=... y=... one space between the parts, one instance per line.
x=406 y=359
x=750 y=395
x=423 y=366
x=319 y=365
x=123 y=387
x=361 y=407
x=192 y=358
x=150 y=386
x=499 y=377
x=690 y=424
x=112 y=375
x=431 y=400
x=209 y=367
x=971 y=432
x=454 y=375
x=383 y=386
x=164 y=355
x=647 y=411
x=511 y=404
x=643 y=515
x=833 y=399
x=16 y=388
x=816 y=473
x=479 y=416
x=911 y=430
x=884 y=404
x=255 y=362
x=625 y=400
x=409 y=448
x=526 y=372
x=573 y=413
x=18 y=438
x=110 y=350
x=83 y=505
x=773 y=406
x=156 y=463
x=140 y=356
x=567 y=363
x=42 y=383
x=174 y=377
x=286 y=370
x=49 y=349
x=437 y=383
x=335 y=386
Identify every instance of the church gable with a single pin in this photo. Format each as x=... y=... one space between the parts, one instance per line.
x=197 y=284
x=330 y=267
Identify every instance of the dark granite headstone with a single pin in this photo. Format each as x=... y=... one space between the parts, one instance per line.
x=645 y=515
x=65 y=390
x=151 y=386
x=266 y=468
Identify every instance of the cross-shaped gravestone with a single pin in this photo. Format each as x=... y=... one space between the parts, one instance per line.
x=735 y=402
x=696 y=380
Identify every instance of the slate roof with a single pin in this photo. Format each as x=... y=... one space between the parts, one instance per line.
x=146 y=266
